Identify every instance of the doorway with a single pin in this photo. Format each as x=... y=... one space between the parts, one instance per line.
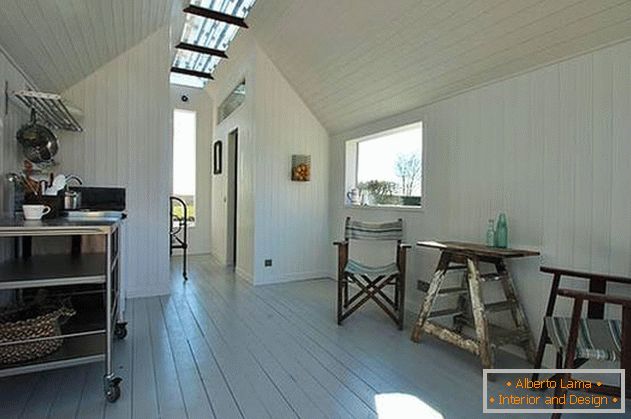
x=233 y=181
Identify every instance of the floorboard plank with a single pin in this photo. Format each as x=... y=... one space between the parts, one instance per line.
x=43 y=395
x=15 y=392
x=379 y=345
x=92 y=402
x=264 y=322
x=169 y=390
x=143 y=386
x=235 y=373
x=296 y=377
x=123 y=354
x=219 y=392
x=195 y=395
x=66 y=403
x=271 y=369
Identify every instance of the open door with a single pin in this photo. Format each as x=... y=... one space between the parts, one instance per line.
x=233 y=181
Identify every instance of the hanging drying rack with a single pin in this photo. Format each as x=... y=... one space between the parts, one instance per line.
x=51 y=109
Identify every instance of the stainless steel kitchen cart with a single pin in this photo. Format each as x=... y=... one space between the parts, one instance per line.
x=89 y=335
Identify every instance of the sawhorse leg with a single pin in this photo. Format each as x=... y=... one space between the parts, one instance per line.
x=517 y=311
x=430 y=297
x=479 y=314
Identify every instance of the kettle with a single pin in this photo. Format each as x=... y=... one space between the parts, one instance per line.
x=72 y=200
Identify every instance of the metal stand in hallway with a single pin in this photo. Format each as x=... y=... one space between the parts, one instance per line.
x=471 y=309
x=178 y=230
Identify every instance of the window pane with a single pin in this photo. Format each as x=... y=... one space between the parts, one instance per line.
x=238 y=8
x=389 y=167
x=232 y=102
x=184 y=141
x=208 y=33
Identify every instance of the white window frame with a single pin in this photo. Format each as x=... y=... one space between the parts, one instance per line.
x=351 y=156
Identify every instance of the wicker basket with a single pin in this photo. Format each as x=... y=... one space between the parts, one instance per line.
x=42 y=326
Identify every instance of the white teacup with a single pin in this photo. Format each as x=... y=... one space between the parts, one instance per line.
x=35 y=212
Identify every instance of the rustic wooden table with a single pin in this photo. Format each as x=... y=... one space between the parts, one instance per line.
x=471 y=309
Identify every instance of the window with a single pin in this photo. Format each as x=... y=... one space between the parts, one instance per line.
x=232 y=102
x=184 y=143
x=207 y=33
x=386 y=169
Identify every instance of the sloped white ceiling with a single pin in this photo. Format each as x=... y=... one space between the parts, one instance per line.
x=356 y=61
x=59 y=42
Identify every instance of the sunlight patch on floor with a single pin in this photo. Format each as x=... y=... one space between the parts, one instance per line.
x=404 y=406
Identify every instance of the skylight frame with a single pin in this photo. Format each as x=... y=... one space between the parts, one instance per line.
x=207 y=33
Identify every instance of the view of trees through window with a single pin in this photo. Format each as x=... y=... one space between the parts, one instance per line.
x=184 y=143
x=389 y=168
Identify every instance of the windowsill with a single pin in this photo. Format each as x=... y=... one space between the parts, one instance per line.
x=386 y=208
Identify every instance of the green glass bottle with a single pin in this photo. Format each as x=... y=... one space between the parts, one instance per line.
x=501 y=231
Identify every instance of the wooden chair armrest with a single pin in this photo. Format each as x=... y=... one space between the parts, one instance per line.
x=341 y=243
x=586 y=275
x=597 y=298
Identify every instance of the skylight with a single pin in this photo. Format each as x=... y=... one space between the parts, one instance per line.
x=207 y=33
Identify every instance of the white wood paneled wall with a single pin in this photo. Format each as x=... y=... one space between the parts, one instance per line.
x=291 y=217
x=278 y=219
x=241 y=65
x=11 y=119
x=127 y=142
x=550 y=148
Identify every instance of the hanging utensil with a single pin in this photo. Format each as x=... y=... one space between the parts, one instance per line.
x=38 y=142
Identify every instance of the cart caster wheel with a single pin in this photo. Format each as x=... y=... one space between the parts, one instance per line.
x=113 y=391
x=120 y=330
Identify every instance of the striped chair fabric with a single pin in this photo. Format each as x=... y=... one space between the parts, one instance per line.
x=597 y=339
x=358 y=268
x=359 y=230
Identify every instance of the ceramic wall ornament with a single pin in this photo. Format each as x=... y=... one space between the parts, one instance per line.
x=301 y=168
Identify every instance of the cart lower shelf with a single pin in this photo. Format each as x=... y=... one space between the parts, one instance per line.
x=74 y=351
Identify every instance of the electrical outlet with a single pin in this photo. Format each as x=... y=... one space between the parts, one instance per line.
x=268 y=263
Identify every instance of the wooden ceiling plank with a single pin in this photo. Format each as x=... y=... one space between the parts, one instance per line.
x=212 y=14
x=201 y=50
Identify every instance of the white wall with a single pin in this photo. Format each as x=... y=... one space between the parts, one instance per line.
x=288 y=221
x=127 y=142
x=550 y=147
x=200 y=102
x=12 y=117
x=291 y=217
x=241 y=65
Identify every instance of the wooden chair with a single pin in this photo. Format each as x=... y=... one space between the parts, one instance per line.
x=578 y=339
x=371 y=280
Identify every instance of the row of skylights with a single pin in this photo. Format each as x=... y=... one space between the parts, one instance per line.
x=207 y=33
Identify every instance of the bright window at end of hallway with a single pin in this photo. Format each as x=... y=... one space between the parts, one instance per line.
x=386 y=169
x=184 y=145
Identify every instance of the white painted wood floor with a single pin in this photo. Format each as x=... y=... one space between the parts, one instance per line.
x=220 y=348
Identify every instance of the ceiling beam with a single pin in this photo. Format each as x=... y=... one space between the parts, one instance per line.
x=192 y=73
x=211 y=14
x=201 y=50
